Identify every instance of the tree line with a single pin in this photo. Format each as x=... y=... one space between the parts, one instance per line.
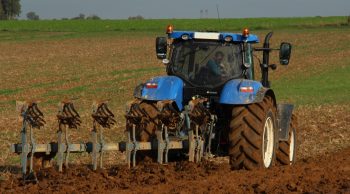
x=11 y=9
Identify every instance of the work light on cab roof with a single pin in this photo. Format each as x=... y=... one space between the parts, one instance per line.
x=169 y=29
x=245 y=32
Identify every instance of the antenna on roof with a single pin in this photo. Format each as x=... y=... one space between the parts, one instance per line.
x=217 y=10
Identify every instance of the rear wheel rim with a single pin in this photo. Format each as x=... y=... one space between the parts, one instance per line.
x=291 y=147
x=268 y=142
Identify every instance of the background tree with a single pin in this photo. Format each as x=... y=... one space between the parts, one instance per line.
x=10 y=9
x=32 y=16
x=93 y=17
x=1 y=11
x=138 y=17
x=15 y=8
x=79 y=17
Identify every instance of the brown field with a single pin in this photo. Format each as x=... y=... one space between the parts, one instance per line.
x=101 y=68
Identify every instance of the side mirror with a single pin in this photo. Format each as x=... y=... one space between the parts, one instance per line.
x=161 y=47
x=285 y=51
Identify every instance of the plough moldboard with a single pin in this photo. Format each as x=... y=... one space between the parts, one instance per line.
x=68 y=118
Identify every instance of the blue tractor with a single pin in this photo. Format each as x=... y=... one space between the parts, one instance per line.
x=209 y=104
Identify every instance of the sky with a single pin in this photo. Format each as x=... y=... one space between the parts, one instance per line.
x=157 y=9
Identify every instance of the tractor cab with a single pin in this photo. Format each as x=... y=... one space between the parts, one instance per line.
x=207 y=59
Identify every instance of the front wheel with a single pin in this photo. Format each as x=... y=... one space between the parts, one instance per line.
x=253 y=135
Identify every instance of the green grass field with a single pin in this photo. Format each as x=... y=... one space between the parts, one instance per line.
x=329 y=87
x=158 y=25
x=58 y=29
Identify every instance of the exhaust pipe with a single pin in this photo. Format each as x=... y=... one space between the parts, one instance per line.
x=266 y=58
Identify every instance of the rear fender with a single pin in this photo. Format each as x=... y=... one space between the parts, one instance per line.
x=285 y=112
x=232 y=93
x=168 y=88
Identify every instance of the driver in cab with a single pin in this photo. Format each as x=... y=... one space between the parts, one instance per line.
x=216 y=66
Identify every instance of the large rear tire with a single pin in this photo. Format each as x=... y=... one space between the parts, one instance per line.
x=253 y=135
x=287 y=149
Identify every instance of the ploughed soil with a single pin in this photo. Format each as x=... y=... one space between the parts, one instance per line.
x=323 y=166
x=330 y=174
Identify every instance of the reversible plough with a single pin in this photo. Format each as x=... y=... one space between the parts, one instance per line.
x=68 y=118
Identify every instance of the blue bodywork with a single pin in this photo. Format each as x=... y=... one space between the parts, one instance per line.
x=235 y=37
x=168 y=88
x=231 y=93
x=171 y=88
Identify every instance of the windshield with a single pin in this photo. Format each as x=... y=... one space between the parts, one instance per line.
x=208 y=63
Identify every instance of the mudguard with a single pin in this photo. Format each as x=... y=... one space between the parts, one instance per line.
x=285 y=112
x=162 y=88
x=241 y=91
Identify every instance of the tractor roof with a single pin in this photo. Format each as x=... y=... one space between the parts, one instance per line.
x=223 y=36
